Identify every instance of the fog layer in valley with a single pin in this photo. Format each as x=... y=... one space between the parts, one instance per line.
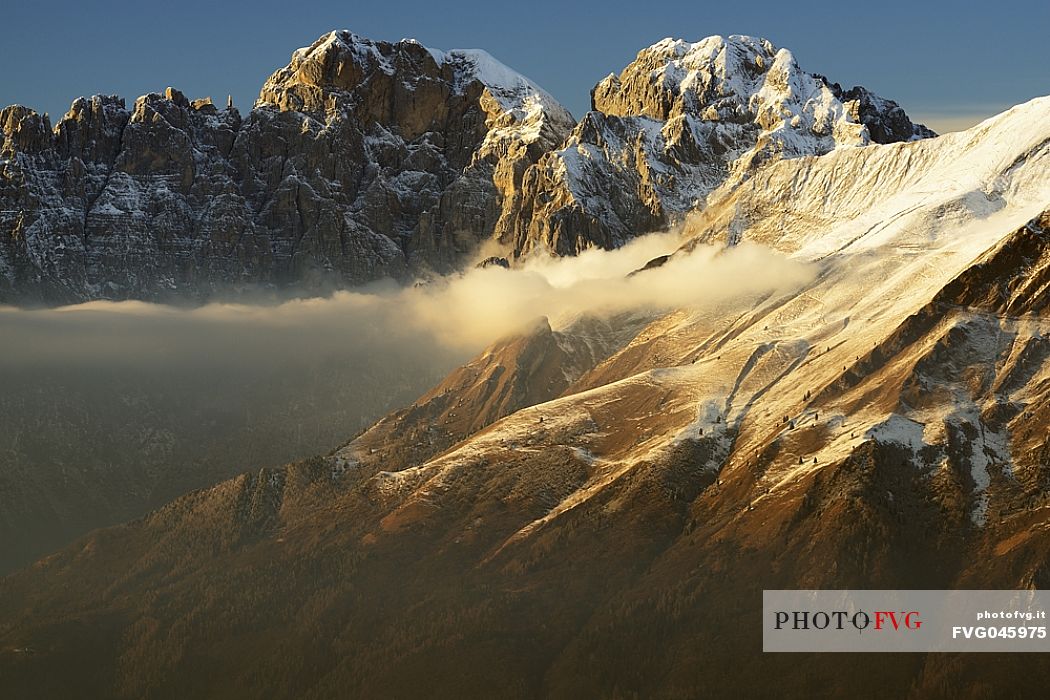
x=109 y=409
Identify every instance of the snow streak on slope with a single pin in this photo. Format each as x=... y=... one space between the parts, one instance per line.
x=908 y=195
x=512 y=89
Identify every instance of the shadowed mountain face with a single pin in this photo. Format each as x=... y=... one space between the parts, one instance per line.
x=593 y=509
x=364 y=159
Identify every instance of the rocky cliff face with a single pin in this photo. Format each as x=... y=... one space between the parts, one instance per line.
x=361 y=160
x=367 y=159
x=679 y=121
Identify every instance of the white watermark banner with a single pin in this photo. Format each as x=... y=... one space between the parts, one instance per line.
x=895 y=621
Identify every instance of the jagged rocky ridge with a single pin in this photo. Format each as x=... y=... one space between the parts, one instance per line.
x=367 y=159
x=361 y=160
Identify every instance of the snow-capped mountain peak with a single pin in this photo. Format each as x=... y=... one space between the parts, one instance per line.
x=738 y=78
x=682 y=119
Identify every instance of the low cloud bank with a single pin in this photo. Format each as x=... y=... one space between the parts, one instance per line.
x=481 y=305
x=109 y=409
x=442 y=320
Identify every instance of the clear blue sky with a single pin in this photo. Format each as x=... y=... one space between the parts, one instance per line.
x=940 y=61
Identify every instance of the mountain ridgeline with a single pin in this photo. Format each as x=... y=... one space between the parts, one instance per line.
x=365 y=159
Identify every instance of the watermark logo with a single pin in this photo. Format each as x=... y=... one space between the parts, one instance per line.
x=894 y=621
